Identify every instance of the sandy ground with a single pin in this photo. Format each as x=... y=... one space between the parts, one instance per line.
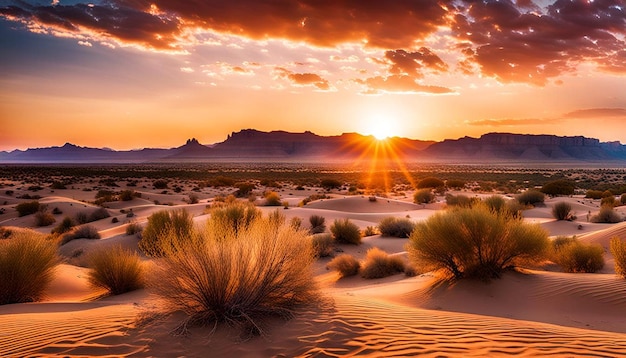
x=530 y=313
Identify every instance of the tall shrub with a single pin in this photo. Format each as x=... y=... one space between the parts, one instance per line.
x=162 y=227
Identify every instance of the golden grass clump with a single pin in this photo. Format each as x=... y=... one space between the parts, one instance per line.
x=235 y=214
x=618 y=250
x=575 y=256
x=116 y=269
x=475 y=242
x=346 y=232
x=237 y=276
x=27 y=263
x=162 y=227
x=379 y=264
x=322 y=244
x=396 y=227
x=346 y=265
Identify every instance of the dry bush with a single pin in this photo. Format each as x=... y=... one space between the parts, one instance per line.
x=272 y=199
x=98 y=214
x=64 y=226
x=82 y=232
x=396 y=227
x=346 y=265
x=27 y=208
x=236 y=214
x=162 y=226
x=423 y=196
x=322 y=244
x=618 y=250
x=117 y=270
x=43 y=217
x=531 y=197
x=608 y=201
x=575 y=256
x=318 y=224
x=379 y=264
x=606 y=215
x=460 y=200
x=563 y=211
x=134 y=228
x=296 y=222
x=370 y=231
x=475 y=242
x=622 y=199
x=237 y=276
x=345 y=232
x=495 y=203
x=27 y=263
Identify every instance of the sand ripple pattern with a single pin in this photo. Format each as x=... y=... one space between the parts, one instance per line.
x=380 y=329
x=74 y=333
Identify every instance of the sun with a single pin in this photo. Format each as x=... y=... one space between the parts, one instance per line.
x=381 y=127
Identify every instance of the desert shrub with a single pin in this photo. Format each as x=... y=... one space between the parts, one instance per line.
x=163 y=226
x=575 y=256
x=370 y=231
x=618 y=250
x=318 y=224
x=296 y=222
x=593 y=194
x=475 y=242
x=117 y=270
x=44 y=218
x=126 y=195
x=606 y=215
x=27 y=208
x=345 y=232
x=430 y=182
x=193 y=199
x=64 y=226
x=237 y=277
x=459 y=200
x=115 y=220
x=322 y=245
x=396 y=227
x=495 y=203
x=133 y=228
x=221 y=181
x=346 y=265
x=455 y=183
x=57 y=185
x=329 y=184
x=622 y=199
x=272 y=199
x=81 y=232
x=379 y=264
x=559 y=187
x=313 y=197
x=27 y=264
x=608 y=201
x=104 y=195
x=562 y=211
x=423 y=196
x=244 y=189
x=531 y=197
x=98 y=214
x=82 y=217
x=57 y=211
x=236 y=214
x=160 y=184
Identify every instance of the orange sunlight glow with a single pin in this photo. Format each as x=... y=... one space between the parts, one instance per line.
x=381 y=126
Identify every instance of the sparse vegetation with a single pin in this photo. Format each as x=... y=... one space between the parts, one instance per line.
x=460 y=200
x=322 y=244
x=563 y=211
x=126 y=195
x=237 y=215
x=431 y=183
x=272 y=199
x=558 y=187
x=345 y=232
x=163 y=226
x=81 y=232
x=115 y=269
x=318 y=224
x=64 y=226
x=329 y=184
x=346 y=265
x=134 y=228
x=27 y=208
x=423 y=196
x=455 y=183
x=237 y=277
x=396 y=227
x=379 y=264
x=531 y=197
x=618 y=250
x=575 y=256
x=43 y=217
x=27 y=263
x=475 y=242
x=160 y=184
x=606 y=215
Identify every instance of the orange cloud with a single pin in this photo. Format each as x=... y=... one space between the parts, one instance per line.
x=399 y=84
x=304 y=79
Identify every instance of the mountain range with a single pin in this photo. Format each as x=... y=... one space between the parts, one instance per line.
x=254 y=145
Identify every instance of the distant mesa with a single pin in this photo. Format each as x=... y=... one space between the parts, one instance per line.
x=254 y=145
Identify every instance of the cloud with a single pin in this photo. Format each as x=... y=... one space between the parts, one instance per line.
x=510 y=122
x=399 y=84
x=596 y=113
x=414 y=63
x=303 y=79
x=85 y=43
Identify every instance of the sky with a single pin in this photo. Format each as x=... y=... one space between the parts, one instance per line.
x=128 y=74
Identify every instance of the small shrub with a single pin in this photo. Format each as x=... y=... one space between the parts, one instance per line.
x=322 y=245
x=115 y=220
x=608 y=201
x=370 y=231
x=423 y=196
x=329 y=184
x=396 y=227
x=117 y=270
x=455 y=183
x=295 y=222
x=475 y=242
x=345 y=232
x=244 y=189
x=593 y=194
x=163 y=226
x=27 y=264
x=44 y=218
x=346 y=265
x=575 y=256
x=431 y=183
x=606 y=215
x=126 y=195
x=27 y=208
x=379 y=264
x=461 y=200
x=618 y=250
x=57 y=211
x=64 y=226
x=318 y=224
x=133 y=228
x=531 y=197
x=562 y=211
x=160 y=184
x=622 y=199
x=272 y=199
x=193 y=199
x=82 y=232
x=82 y=217
x=98 y=214
x=495 y=203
